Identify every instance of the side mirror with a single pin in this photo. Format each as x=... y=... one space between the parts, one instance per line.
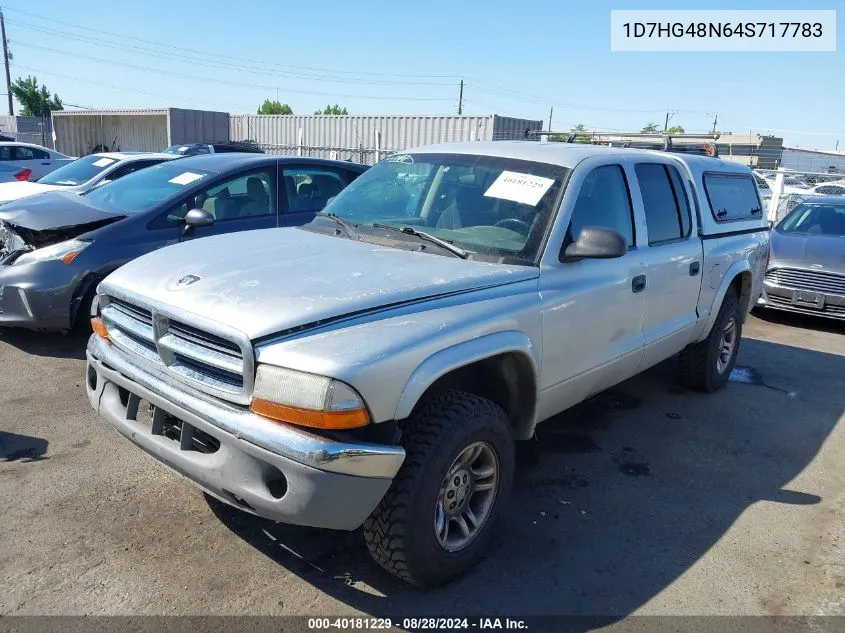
x=198 y=217
x=329 y=201
x=595 y=242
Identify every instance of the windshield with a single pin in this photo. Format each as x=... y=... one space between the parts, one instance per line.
x=494 y=208
x=79 y=171
x=815 y=219
x=145 y=188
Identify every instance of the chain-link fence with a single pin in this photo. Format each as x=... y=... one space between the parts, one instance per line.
x=44 y=139
x=361 y=154
x=783 y=189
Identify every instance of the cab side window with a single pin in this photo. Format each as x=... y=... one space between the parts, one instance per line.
x=604 y=201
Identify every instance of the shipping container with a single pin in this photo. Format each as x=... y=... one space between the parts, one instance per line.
x=81 y=132
x=367 y=139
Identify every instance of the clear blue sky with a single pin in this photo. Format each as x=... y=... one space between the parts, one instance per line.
x=393 y=57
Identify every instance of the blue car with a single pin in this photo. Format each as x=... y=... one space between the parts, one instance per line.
x=55 y=247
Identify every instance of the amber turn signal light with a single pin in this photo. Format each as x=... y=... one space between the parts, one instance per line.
x=99 y=328
x=306 y=417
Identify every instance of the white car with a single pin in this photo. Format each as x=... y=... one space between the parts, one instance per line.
x=27 y=156
x=833 y=188
x=83 y=174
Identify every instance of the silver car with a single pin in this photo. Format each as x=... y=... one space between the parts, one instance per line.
x=806 y=269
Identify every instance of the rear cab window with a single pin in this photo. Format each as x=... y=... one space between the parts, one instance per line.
x=732 y=196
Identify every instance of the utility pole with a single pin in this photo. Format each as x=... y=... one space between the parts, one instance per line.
x=669 y=115
x=6 y=62
x=715 y=121
x=461 y=99
x=551 y=112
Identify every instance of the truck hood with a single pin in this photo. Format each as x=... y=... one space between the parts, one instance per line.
x=53 y=217
x=15 y=190
x=272 y=281
x=827 y=251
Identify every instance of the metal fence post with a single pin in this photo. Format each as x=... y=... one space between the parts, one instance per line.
x=378 y=147
x=777 y=190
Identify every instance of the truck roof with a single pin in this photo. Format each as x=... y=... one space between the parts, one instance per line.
x=570 y=154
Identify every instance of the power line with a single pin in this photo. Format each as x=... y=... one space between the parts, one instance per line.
x=224 y=65
x=210 y=80
x=171 y=47
x=127 y=88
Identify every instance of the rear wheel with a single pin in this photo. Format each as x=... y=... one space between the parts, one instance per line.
x=442 y=508
x=706 y=366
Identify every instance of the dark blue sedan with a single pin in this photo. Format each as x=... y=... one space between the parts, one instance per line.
x=55 y=247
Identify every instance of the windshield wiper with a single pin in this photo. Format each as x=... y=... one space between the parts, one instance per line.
x=409 y=230
x=348 y=227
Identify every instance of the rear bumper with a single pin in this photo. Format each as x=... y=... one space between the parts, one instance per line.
x=783 y=298
x=296 y=477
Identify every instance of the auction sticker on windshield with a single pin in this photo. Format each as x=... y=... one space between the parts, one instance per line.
x=103 y=162
x=522 y=188
x=185 y=178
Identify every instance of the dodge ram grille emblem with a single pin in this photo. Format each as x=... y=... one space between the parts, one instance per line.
x=187 y=280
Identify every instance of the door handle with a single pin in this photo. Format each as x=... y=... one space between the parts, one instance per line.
x=694 y=267
x=638 y=283
x=45 y=163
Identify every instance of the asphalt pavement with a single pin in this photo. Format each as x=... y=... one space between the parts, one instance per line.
x=648 y=499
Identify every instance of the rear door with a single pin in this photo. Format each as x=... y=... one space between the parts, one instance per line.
x=673 y=255
x=244 y=201
x=307 y=189
x=33 y=158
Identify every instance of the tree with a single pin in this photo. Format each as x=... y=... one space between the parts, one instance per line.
x=650 y=128
x=675 y=129
x=332 y=109
x=274 y=107
x=35 y=100
x=577 y=129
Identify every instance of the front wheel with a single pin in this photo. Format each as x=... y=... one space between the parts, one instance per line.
x=442 y=508
x=706 y=366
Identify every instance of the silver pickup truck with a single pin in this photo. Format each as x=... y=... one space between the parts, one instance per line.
x=374 y=367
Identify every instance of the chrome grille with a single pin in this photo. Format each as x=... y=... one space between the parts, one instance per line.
x=217 y=362
x=818 y=281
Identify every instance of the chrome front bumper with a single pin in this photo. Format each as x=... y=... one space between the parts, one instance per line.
x=272 y=470
x=784 y=298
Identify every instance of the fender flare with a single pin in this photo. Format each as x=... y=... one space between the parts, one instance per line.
x=735 y=269
x=441 y=363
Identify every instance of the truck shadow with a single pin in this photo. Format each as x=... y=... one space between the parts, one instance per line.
x=25 y=448
x=50 y=344
x=805 y=321
x=616 y=500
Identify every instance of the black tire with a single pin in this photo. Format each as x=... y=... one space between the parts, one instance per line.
x=400 y=533
x=700 y=361
x=82 y=318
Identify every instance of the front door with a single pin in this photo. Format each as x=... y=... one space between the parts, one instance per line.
x=592 y=309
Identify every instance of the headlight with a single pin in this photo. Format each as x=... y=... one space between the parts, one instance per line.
x=66 y=252
x=307 y=399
